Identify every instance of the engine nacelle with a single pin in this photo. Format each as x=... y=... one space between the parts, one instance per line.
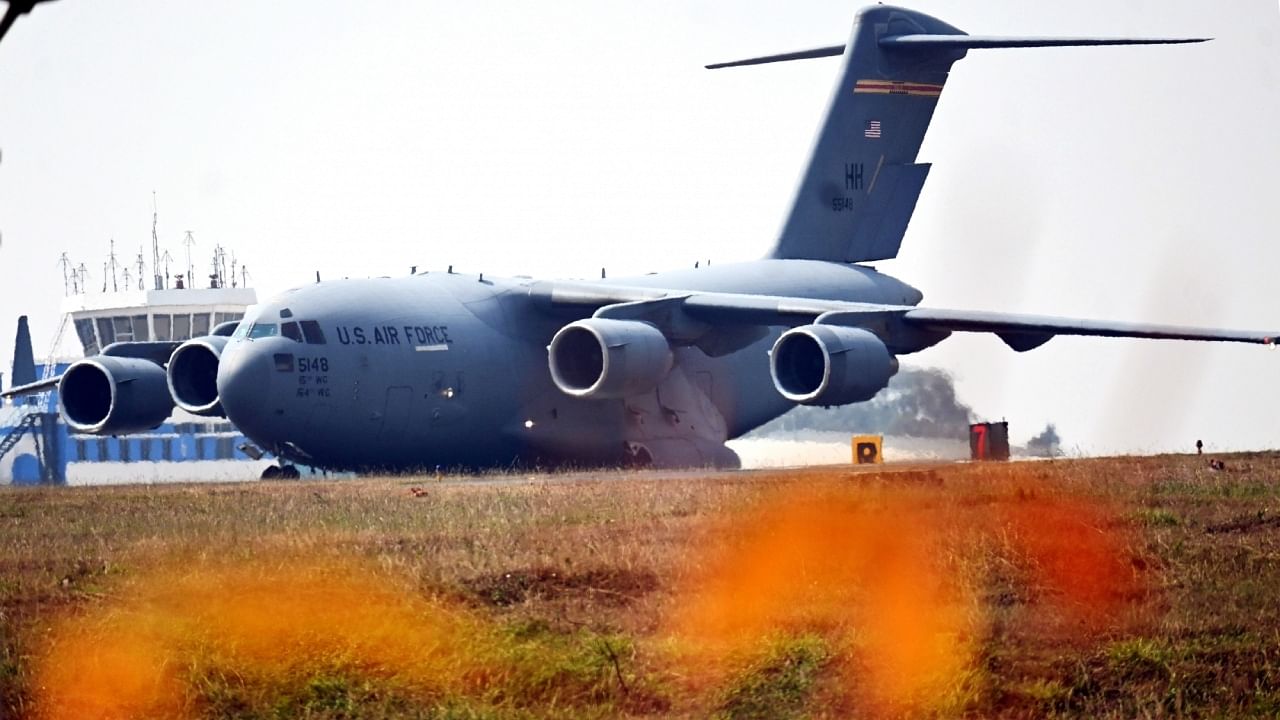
x=105 y=395
x=193 y=375
x=830 y=365
x=599 y=358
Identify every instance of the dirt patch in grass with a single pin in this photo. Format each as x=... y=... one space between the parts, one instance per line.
x=611 y=587
x=1260 y=520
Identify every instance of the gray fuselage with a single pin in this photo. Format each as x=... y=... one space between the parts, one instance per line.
x=450 y=370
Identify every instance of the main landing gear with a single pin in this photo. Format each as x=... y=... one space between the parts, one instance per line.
x=281 y=472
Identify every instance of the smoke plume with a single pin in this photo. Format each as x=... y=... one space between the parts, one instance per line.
x=1046 y=444
x=919 y=402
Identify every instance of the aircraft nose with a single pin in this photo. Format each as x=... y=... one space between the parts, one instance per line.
x=244 y=376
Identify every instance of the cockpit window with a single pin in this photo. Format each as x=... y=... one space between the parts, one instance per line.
x=261 y=330
x=291 y=331
x=311 y=330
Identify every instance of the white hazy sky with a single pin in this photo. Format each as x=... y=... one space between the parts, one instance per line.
x=556 y=138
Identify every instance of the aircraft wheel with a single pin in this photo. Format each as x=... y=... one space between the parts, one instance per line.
x=637 y=456
x=289 y=472
x=272 y=472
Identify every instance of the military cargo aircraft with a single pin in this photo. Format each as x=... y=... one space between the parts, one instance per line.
x=442 y=369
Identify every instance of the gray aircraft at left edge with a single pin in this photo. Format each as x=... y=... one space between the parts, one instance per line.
x=448 y=370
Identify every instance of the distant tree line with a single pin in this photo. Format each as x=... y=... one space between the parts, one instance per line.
x=919 y=402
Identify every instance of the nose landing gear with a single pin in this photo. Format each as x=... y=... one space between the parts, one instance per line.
x=281 y=472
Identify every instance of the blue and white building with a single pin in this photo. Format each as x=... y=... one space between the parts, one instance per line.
x=36 y=447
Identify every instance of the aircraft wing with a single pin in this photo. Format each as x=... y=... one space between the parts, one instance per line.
x=29 y=388
x=157 y=351
x=1019 y=330
x=684 y=315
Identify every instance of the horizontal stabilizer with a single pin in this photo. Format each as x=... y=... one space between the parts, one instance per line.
x=957 y=42
x=977 y=42
x=830 y=51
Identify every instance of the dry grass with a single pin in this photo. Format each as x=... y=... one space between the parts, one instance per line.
x=1124 y=587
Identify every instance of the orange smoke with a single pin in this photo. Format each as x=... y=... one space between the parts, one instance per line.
x=894 y=575
x=1079 y=563
x=863 y=565
x=139 y=657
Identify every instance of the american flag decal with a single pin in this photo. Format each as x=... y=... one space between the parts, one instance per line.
x=897 y=87
x=873 y=129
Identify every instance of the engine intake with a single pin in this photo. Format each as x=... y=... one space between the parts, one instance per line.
x=830 y=365
x=600 y=358
x=105 y=395
x=193 y=375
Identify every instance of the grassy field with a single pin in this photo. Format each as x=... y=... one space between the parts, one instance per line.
x=1131 y=587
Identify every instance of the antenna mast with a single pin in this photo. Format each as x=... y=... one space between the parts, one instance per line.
x=189 y=241
x=215 y=277
x=166 y=258
x=67 y=273
x=111 y=266
x=142 y=271
x=155 y=246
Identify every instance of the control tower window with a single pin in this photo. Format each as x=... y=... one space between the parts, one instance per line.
x=124 y=329
x=312 y=332
x=291 y=331
x=199 y=324
x=106 y=331
x=162 y=324
x=84 y=328
x=140 y=331
x=182 y=327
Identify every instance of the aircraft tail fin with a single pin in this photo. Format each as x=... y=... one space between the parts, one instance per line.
x=860 y=188
x=24 y=363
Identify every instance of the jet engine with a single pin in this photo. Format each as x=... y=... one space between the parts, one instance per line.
x=599 y=358
x=193 y=375
x=105 y=395
x=830 y=365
